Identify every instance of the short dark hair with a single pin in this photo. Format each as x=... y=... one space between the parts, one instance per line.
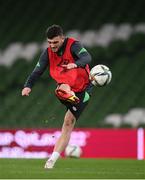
x=53 y=31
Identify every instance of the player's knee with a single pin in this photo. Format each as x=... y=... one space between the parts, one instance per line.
x=64 y=92
x=64 y=87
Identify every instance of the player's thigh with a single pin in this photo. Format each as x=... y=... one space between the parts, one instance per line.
x=64 y=87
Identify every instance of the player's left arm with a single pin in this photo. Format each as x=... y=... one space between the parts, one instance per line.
x=80 y=54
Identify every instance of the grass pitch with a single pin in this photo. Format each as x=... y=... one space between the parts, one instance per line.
x=72 y=169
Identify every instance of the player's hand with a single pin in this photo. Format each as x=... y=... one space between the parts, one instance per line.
x=26 y=91
x=69 y=66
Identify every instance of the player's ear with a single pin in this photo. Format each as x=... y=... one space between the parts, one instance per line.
x=62 y=37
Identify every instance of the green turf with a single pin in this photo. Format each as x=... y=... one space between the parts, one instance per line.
x=73 y=168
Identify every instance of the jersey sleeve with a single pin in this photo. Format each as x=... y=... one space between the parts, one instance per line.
x=38 y=70
x=80 y=54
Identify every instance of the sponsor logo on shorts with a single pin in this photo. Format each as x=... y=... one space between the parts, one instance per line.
x=74 y=108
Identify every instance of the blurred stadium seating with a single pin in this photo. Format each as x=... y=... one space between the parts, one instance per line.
x=23 y=23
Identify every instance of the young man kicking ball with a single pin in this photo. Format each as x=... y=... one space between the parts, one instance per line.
x=67 y=61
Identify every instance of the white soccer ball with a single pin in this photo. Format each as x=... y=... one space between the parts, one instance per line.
x=100 y=75
x=73 y=151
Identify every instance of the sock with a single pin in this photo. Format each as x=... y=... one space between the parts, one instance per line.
x=54 y=156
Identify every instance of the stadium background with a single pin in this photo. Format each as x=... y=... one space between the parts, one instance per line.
x=24 y=23
x=114 y=34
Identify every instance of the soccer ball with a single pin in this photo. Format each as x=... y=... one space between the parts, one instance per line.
x=100 y=75
x=73 y=151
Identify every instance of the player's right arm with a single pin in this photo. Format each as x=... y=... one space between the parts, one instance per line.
x=36 y=73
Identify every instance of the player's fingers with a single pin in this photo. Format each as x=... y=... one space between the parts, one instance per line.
x=64 y=66
x=68 y=66
x=25 y=93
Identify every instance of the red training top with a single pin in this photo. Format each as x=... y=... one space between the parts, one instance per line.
x=77 y=78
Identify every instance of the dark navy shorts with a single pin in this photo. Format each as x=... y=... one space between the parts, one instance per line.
x=84 y=97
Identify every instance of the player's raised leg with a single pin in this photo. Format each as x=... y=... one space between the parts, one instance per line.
x=64 y=92
x=68 y=125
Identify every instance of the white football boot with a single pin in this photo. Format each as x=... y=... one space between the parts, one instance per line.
x=49 y=164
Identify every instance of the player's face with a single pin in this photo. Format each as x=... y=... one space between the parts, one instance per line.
x=55 y=43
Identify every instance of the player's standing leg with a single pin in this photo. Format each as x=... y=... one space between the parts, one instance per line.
x=68 y=125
